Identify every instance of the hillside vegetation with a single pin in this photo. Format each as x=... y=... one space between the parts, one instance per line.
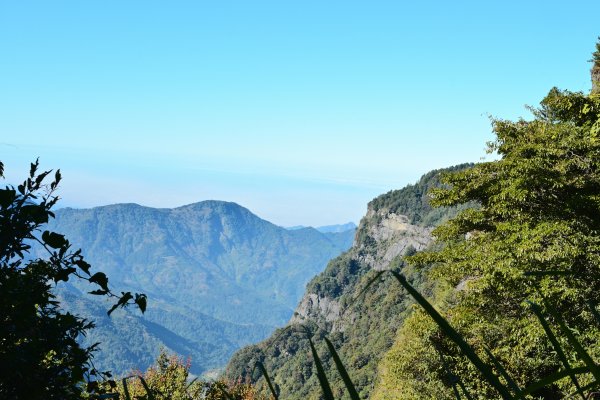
x=507 y=293
x=362 y=330
x=530 y=253
x=217 y=276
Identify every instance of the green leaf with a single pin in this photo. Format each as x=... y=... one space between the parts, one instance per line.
x=549 y=273
x=511 y=383
x=342 y=370
x=144 y=384
x=452 y=378
x=108 y=396
x=453 y=335
x=583 y=354
x=594 y=311
x=263 y=370
x=464 y=390
x=557 y=347
x=147 y=388
x=125 y=388
x=368 y=285
x=593 y=385
x=550 y=379
x=325 y=387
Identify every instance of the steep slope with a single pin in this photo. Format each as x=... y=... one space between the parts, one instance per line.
x=216 y=275
x=362 y=326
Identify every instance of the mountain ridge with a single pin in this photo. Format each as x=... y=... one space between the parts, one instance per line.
x=397 y=223
x=210 y=261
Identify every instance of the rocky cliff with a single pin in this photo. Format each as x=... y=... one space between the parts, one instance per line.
x=388 y=236
x=361 y=323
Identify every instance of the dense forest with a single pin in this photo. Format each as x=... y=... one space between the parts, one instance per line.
x=480 y=281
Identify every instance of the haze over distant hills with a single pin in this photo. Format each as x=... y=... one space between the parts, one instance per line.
x=327 y=228
x=216 y=275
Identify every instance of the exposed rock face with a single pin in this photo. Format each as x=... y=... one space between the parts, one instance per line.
x=359 y=315
x=389 y=235
x=393 y=236
x=311 y=304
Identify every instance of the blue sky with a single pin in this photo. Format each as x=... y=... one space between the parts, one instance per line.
x=300 y=111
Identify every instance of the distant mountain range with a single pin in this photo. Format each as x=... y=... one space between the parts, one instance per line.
x=328 y=228
x=217 y=277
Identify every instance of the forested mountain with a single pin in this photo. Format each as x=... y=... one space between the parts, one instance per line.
x=362 y=326
x=508 y=293
x=217 y=277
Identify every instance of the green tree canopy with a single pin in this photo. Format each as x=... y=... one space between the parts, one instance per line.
x=534 y=238
x=40 y=356
x=596 y=54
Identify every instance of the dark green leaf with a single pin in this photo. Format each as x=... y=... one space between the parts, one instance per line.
x=550 y=379
x=35 y=213
x=368 y=285
x=7 y=196
x=325 y=387
x=548 y=273
x=557 y=347
x=453 y=335
x=464 y=390
x=84 y=266
x=263 y=370
x=122 y=302
x=342 y=370
x=41 y=177
x=53 y=240
x=511 y=383
x=140 y=300
x=34 y=167
x=147 y=388
x=583 y=354
x=594 y=311
x=98 y=292
x=126 y=388
x=63 y=274
x=100 y=279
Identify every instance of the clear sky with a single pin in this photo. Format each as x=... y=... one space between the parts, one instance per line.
x=302 y=111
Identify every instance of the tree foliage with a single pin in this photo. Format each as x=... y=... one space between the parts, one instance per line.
x=535 y=237
x=40 y=356
x=596 y=54
x=413 y=201
x=169 y=379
